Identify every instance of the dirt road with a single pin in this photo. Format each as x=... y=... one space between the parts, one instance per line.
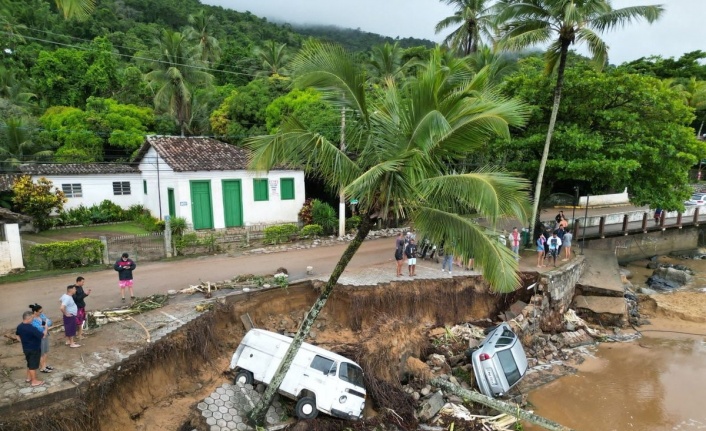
x=158 y=277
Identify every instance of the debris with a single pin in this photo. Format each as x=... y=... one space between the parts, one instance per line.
x=431 y=406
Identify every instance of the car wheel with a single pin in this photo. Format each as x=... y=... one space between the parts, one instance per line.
x=243 y=377
x=306 y=408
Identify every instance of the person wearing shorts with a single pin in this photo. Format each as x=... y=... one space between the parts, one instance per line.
x=399 y=253
x=411 y=252
x=69 y=310
x=125 y=266
x=80 y=300
x=41 y=322
x=566 y=245
x=31 y=339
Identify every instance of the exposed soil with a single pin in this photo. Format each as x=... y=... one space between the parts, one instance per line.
x=380 y=327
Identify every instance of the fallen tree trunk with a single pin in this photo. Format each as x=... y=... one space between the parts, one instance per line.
x=498 y=405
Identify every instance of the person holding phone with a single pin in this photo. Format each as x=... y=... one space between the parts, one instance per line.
x=42 y=322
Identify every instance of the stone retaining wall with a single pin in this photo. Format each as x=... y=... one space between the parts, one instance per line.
x=559 y=286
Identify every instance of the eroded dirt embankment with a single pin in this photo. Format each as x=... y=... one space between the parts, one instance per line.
x=379 y=327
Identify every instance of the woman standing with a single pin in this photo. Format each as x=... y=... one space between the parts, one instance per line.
x=541 y=242
x=41 y=322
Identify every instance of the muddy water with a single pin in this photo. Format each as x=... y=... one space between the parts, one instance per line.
x=657 y=383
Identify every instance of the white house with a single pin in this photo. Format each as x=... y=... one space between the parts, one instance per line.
x=90 y=183
x=10 y=244
x=206 y=182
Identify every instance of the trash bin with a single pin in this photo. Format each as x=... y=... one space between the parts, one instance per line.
x=525 y=235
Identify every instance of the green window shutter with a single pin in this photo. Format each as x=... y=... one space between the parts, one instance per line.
x=287 y=186
x=260 y=190
x=144 y=186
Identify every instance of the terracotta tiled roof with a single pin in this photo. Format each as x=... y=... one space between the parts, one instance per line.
x=196 y=153
x=6 y=181
x=77 y=169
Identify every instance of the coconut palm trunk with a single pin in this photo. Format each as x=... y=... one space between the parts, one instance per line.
x=257 y=414
x=550 y=131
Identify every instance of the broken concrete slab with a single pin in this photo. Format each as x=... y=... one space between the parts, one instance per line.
x=431 y=406
x=602 y=276
x=604 y=310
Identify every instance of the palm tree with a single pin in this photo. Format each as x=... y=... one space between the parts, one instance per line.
x=473 y=20
x=77 y=9
x=16 y=145
x=174 y=74
x=399 y=147
x=386 y=61
x=562 y=23
x=273 y=58
x=13 y=89
x=200 y=29
x=694 y=93
x=499 y=64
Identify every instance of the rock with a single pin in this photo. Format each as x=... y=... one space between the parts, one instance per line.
x=517 y=308
x=680 y=276
x=647 y=291
x=454 y=360
x=473 y=343
x=436 y=360
x=431 y=406
x=416 y=396
x=659 y=283
x=425 y=390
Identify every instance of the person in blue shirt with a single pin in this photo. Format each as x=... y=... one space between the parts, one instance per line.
x=41 y=322
x=31 y=340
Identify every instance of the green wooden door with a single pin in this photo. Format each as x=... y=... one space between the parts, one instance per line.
x=201 y=209
x=232 y=203
x=172 y=203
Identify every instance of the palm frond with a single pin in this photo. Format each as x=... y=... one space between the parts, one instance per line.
x=596 y=46
x=620 y=17
x=464 y=237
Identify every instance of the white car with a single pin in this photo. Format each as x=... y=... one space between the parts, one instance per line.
x=696 y=199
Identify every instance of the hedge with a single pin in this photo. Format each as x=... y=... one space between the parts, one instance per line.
x=279 y=233
x=66 y=254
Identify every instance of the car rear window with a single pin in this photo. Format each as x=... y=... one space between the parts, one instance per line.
x=507 y=362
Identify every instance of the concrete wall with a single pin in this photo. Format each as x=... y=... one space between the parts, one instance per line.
x=644 y=245
x=600 y=200
x=10 y=249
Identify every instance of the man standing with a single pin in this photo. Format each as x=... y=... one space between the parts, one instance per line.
x=558 y=219
x=411 y=252
x=79 y=298
x=554 y=245
x=125 y=266
x=69 y=310
x=31 y=339
x=515 y=242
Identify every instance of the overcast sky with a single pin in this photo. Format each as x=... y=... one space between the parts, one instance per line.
x=680 y=30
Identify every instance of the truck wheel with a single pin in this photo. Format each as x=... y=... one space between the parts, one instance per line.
x=244 y=377
x=306 y=408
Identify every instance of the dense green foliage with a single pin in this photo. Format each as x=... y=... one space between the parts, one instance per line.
x=280 y=233
x=37 y=199
x=104 y=212
x=614 y=130
x=65 y=254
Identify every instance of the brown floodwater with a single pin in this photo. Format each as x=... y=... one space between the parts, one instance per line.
x=656 y=383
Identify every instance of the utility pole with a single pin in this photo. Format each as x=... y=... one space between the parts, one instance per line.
x=341 y=196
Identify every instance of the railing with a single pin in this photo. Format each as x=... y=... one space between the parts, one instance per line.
x=640 y=221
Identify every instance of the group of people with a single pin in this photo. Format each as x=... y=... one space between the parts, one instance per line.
x=550 y=243
x=406 y=247
x=33 y=332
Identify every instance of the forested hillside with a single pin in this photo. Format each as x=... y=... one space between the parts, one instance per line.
x=356 y=39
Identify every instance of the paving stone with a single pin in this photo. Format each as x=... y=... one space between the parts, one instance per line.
x=208 y=400
x=213 y=407
x=25 y=391
x=228 y=416
x=207 y=413
x=219 y=402
x=211 y=421
x=202 y=406
x=220 y=391
x=241 y=427
x=230 y=392
x=231 y=425
x=217 y=415
x=223 y=409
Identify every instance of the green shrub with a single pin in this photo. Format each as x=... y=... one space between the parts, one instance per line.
x=352 y=222
x=279 y=233
x=134 y=211
x=178 y=225
x=150 y=223
x=324 y=215
x=311 y=230
x=65 y=254
x=183 y=242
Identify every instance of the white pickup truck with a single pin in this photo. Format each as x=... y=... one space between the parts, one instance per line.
x=319 y=380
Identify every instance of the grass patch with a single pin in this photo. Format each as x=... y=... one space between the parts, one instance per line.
x=71 y=233
x=32 y=275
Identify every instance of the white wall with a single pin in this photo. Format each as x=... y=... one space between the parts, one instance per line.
x=11 y=249
x=601 y=200
x=274 y=210
x=96 y=188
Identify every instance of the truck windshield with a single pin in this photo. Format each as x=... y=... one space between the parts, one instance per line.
x=351 y=374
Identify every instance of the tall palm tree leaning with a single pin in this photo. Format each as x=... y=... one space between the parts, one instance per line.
x=176 y=71
x=524 y=23
x=399 y=147
x=474 y=19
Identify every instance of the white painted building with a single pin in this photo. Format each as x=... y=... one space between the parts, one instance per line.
x=206 y=182
x=90 y=183
x=10 y=248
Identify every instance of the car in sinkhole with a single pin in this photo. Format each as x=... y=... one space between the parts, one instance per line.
x=499 y=362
